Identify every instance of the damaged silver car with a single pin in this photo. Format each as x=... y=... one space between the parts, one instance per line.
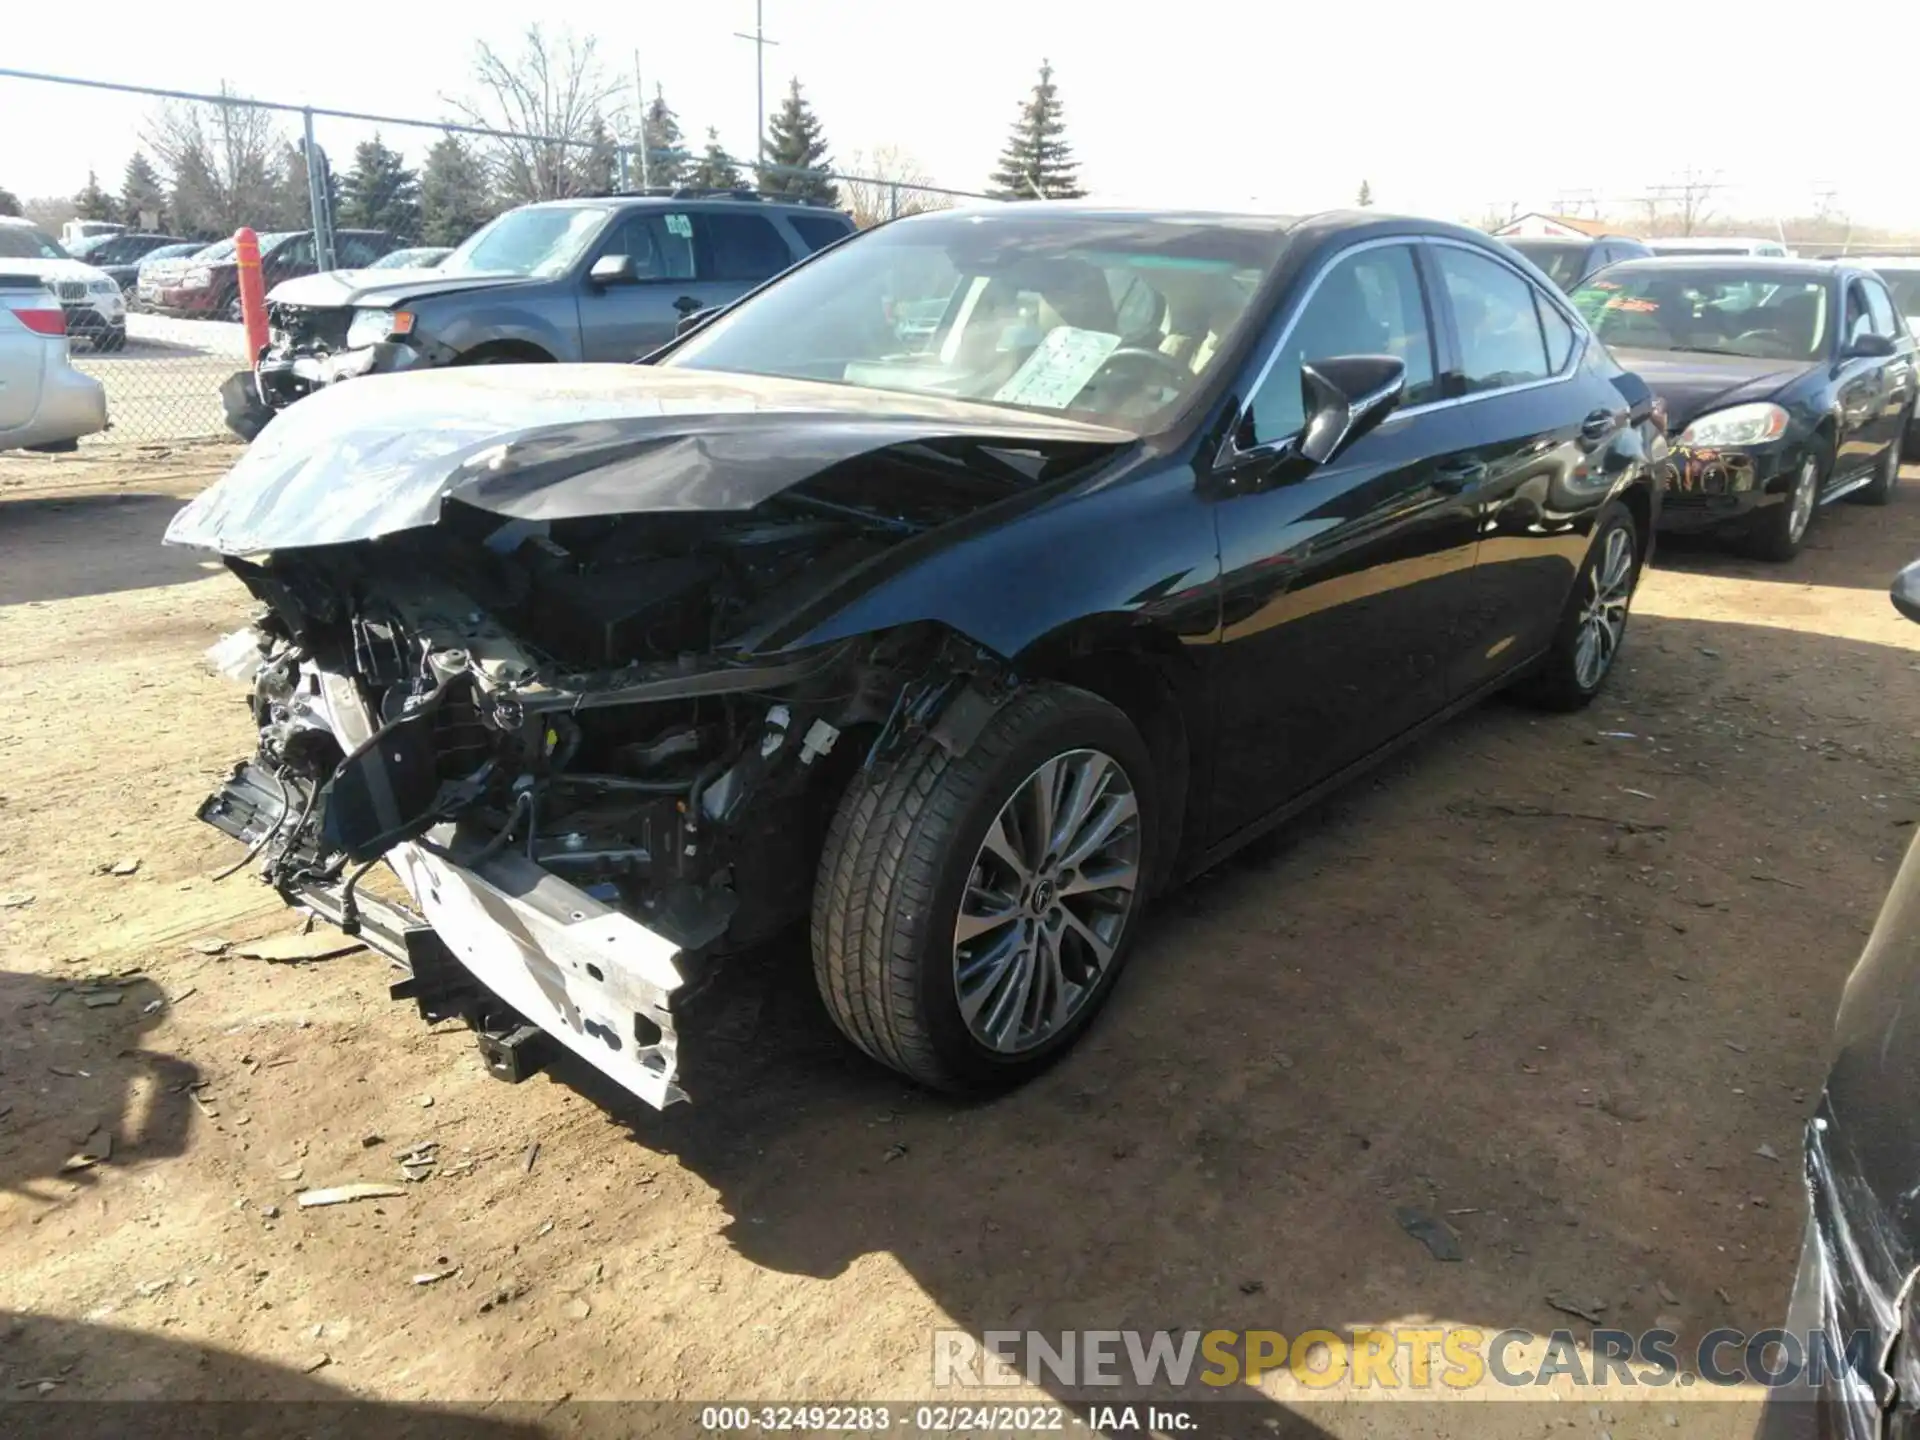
x=954 y=640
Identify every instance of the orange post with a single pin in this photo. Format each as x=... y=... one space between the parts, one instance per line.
x=253 y=294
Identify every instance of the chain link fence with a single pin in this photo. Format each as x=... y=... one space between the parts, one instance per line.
x=163 y=347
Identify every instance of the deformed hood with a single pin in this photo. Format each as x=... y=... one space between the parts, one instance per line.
x=554 y=442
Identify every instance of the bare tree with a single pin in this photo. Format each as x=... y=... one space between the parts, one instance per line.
x=555 y=96
x=221 y=164
x=884 y=190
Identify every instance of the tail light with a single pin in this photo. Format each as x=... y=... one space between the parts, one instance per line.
x=44 y=322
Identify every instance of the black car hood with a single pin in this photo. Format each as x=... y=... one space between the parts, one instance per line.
x=335 y=289
x=556 y=442
x=1694 y=383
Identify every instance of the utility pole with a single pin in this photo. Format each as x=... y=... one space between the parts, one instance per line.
x=640 y=99
x=760 y=43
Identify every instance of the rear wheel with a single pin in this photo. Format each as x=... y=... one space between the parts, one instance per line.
x=1594 y=624
x=973 y=912
x=1778 y=531
x=1886 y=479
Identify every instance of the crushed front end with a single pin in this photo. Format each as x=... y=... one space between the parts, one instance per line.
x=590 y=804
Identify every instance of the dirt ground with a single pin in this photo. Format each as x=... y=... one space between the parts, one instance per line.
x=1559 y=979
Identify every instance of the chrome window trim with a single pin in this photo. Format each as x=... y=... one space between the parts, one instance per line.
x=1230 y=451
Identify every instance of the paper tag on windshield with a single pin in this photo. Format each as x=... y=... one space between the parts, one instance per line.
x=681 y=226
x=1059 y=369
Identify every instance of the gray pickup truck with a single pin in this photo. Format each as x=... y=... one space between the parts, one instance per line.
x=586 y=279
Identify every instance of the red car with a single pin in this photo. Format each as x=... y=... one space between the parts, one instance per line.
x=207 y=285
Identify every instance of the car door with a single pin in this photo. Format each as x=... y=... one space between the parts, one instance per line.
x=1543 y=423
x=1868 y=391
x=627 y=319
x=1903 y=378
x=1341 y=584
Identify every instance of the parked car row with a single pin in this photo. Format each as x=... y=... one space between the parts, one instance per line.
x=90 y=298
x=207 y=284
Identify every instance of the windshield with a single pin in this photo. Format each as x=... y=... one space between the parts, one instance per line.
x=220 y=250
x=1106 y=319
x=540 y=240
x=1564 y=264
x=1721 y=311
x=22 y=242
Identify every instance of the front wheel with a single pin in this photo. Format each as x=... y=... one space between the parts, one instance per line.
x=1594 y=624
x=1779 y=530
x=973 y=912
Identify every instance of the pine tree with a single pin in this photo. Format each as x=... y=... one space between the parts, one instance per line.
x=1365 y=198
x=596 y=170
x=796 y=148
x=292 y=207
x=9 y=202
x=660 y=133
x=1038 y=163
x=143 y=200
x=455 y=197
x=380 y=192
x=715 y=170
x=93 y=203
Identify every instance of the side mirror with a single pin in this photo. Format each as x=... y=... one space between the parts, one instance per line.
x=1906 y=592
x=694 y=320
x=612 y=270
x=1872 y=347
x=1345 y=397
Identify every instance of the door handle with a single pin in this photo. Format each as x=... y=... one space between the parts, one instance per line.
x=1596 y=425
x=1457 y=475
x=686 y=305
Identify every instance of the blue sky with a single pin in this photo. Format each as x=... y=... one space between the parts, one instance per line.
x=1444 y=110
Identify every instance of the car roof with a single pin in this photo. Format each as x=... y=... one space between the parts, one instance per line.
x=745 y=199
x=1783 y=266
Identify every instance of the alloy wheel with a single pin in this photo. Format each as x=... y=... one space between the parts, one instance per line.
x=1806 y=487
x=1048 y=898
x=1603 y=618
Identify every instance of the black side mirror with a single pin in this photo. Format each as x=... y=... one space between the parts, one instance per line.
x=694 y=320
x=1906 y=592
x=1345 y=397
x=612 y=270
x=1872 y=347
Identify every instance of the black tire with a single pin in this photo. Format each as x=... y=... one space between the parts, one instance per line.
x=1772 y=535
x=901 y=853
x=1886 y=480
x=1565 y=679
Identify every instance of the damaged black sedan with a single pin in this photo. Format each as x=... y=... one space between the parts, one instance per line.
x=959 y=639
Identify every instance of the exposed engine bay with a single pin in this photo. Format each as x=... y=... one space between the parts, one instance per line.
x=560 y=714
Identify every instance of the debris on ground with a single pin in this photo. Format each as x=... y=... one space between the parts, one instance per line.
x=434 y=1277
x=577 y=1309
x=526 y=1160
x=1587 y=1310
x=1667 y=1297
x=95 y=1149
x=1440 y=1238
x=15 y=899
x=320 y=945
x=121 y=868
x=346 y=1194
x=315 y=1362
x=417 y=1164
x=210 y=945
x=504 y=1295
x=100 y=999
x=1767 y=1152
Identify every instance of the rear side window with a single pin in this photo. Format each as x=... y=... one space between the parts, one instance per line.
x=1558 y=332
x=819 y=231
x=1367 y=303
x=740 y=247
x=355 y=251
x=1497 y=320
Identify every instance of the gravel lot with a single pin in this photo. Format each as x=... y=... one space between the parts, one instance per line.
x=165 y=385
x=1560 y=979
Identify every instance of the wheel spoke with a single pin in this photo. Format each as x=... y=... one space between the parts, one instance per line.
x=1087 y=783
x=1004 y=848
x=1115 y=812
x=985 y=976
x=973 y=923
x=1092 y=879
x=1101 y=951
x=1001 y=1023
x=1043 y=801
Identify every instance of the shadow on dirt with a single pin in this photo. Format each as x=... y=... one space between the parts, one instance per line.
x=60 y=548
x=81 y=1094
x=1853 y=546
x=69 y=1380
x=1574 y=1039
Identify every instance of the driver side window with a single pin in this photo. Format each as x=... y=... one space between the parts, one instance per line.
x=1366 y=303
x=1859 y=318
